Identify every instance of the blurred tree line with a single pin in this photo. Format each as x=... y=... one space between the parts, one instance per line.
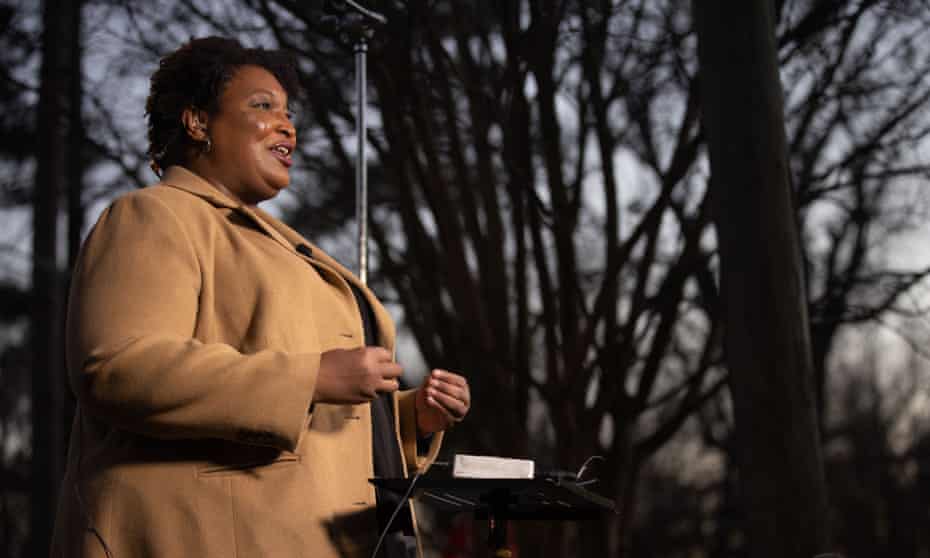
x=543 y=218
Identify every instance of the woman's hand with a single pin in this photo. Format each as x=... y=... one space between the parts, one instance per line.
x=442 y=400
x=355 y=375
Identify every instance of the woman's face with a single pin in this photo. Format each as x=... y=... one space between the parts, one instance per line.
x=252 y=136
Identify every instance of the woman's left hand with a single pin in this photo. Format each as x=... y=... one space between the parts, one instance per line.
x=442 y=400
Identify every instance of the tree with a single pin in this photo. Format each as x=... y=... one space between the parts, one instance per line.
x=60 y=38
x=768 y=348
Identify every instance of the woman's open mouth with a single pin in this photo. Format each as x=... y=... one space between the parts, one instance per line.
x=282 y=151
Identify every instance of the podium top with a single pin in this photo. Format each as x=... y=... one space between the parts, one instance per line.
x=537 y=498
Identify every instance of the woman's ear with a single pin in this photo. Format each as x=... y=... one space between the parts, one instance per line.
x=195 y=123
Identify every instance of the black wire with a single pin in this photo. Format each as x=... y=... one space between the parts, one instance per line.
x=397 y=509
x=88 y=520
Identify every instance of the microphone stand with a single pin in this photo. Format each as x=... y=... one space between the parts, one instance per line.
x=358 y=24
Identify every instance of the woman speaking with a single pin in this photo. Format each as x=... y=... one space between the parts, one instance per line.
x=236 y=386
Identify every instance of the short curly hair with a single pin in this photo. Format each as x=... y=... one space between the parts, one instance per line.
x=195 y=75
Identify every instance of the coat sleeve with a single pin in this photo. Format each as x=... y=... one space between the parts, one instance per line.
x=132 y=358
x=406 y=412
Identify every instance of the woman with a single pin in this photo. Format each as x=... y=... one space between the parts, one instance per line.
x=228 y=401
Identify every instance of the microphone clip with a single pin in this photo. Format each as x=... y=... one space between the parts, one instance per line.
x=351 y=21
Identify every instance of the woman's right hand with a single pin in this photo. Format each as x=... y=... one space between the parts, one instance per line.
x=355 y=375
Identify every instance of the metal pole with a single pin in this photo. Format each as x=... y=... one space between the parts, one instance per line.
x=361 y=165
x=357 y=22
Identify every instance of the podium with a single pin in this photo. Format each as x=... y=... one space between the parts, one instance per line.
x=502 y=500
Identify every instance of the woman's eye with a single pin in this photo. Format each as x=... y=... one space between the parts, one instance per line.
x=264 y=105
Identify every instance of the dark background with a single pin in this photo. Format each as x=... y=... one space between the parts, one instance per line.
x=545 y=219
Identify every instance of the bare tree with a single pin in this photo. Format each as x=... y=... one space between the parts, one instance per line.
x=541 y=211
x=879 y=466
x=60 y=37
x=767 y=339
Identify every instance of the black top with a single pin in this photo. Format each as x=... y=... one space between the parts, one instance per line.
x=385 y=450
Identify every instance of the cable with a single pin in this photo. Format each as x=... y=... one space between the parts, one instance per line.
x=89 y=522
x=585 y=465
x=397 y=509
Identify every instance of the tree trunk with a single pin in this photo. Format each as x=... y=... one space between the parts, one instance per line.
x=767 y=339
x=77 y=163
x=76 y=151
x=59 y=40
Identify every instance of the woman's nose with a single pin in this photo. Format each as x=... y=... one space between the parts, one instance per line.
x=286 y=127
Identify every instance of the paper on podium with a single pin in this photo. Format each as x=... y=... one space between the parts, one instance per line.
x=487 y=467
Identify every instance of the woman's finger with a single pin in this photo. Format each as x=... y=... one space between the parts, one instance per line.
x=454 y=408
x=449 y=377
x=389 y=384
x=450 y=383
x=453 y=391
x=390 y=370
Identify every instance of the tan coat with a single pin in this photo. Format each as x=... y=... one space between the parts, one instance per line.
x=194 y=336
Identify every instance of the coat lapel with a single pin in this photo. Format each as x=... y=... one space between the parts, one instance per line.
x=319 y=257
x=183 y=179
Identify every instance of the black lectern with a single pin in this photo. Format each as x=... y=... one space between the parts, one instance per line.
x=501 y=500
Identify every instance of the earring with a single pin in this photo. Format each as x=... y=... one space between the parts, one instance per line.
x=209 y=145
